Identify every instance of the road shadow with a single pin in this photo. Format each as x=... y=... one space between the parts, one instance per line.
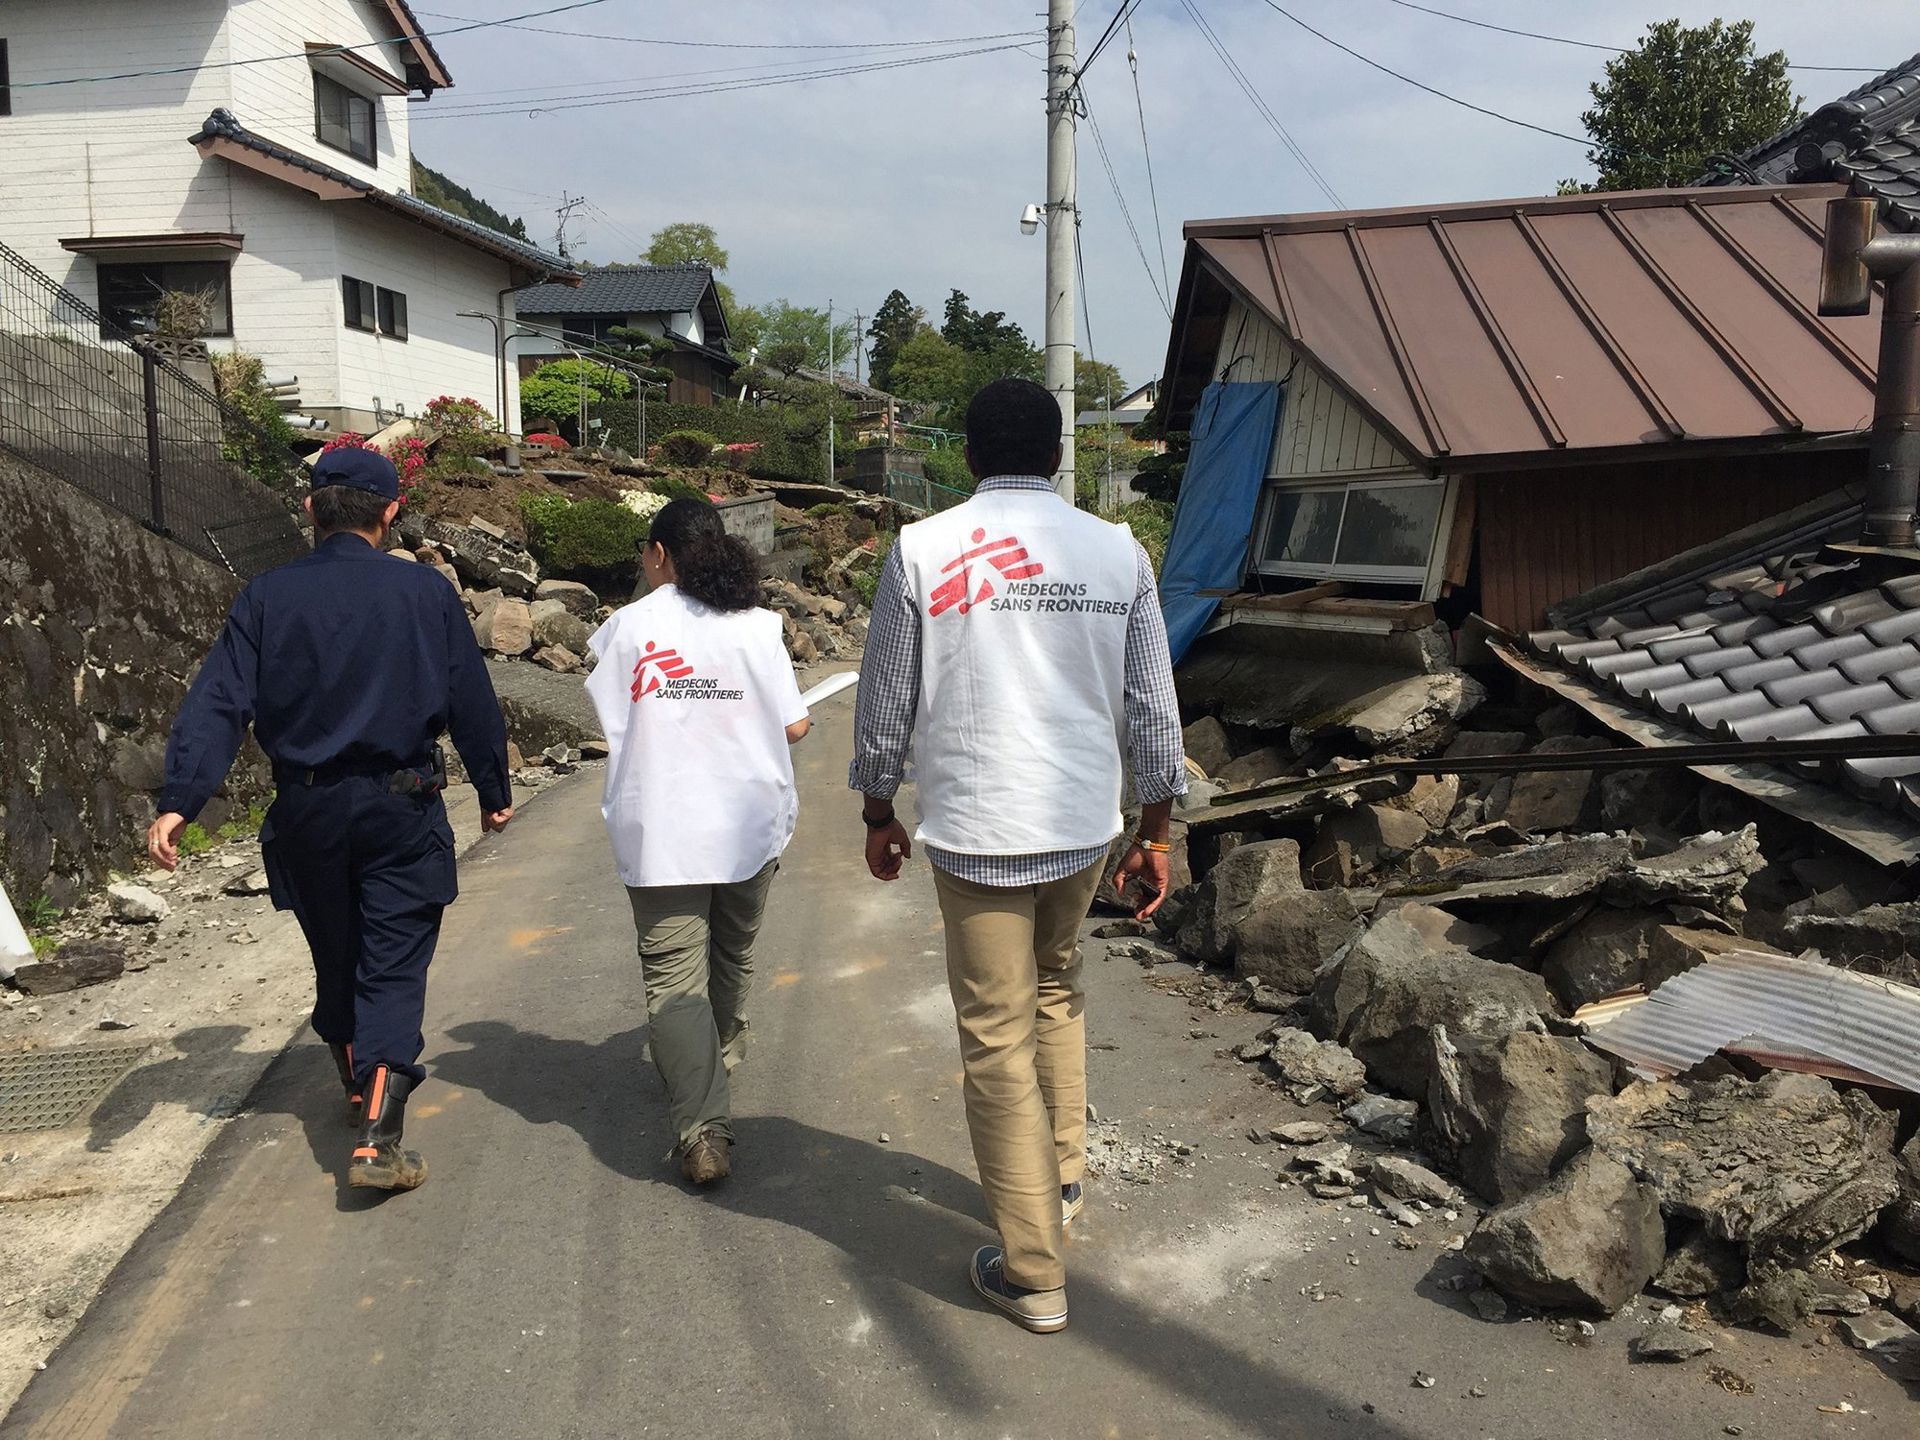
x=179 y=1079
x=905 y=1225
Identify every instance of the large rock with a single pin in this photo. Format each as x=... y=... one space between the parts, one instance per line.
x=136 y=904
x=1287 y=937
x=74 y=965
x=562 y=628
x=1207 y=745
x=1785 y=1166
x=1545 y=801
x=1701 y=1265
x=1880 y=940
x=1256 y=767
x=1602 y=955
x=505 y=627
x=1900 y=1225
x=1589 y=1241
x=578 y=598
x=1304 y=1061
x=1513 y=1107
x=1350 y=844
x=1404 y=977
x=1431 y=797
x=1228 y=894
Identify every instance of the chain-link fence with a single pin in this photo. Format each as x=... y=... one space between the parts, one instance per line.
x=102 y=409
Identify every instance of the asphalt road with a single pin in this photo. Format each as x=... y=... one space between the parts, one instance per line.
x=554 y=1278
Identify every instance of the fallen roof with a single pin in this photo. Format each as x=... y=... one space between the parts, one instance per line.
x=1569 y=325
x=1868 y=138
x=1777 y=639
x=226 y=137
x=636 y=290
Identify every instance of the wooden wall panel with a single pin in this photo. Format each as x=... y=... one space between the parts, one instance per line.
x=1546 y=535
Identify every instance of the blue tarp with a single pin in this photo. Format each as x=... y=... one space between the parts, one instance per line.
x=1232 y=437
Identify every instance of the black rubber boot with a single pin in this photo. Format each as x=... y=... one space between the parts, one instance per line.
x=356 y=1102
x=379 y=1162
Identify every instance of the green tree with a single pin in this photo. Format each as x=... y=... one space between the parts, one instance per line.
x=981 y=331
x=687 y=242
x=1685 y=94
x=931 y=370
x=1096 y=384
x=782 y=328
x=897 y=321
x=553 y=391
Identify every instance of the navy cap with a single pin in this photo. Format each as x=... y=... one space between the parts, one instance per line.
x=358 y=469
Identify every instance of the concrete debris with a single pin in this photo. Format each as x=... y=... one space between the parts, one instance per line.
x=554 y=625
x=1900 y=1224
x=1542 y=802
x=1513 y=1107
x=136 y=904
x=1405 y=976
x=253 y=882
x=1286 y=937
x=504 y=626
x=1208 y=745
x=1783 y=1166
x=1351 y=844
x=1402 y=714
x=1702 y=1264
x=579 y=599
x=1879 y=1333
x=1383 y=1116
x=1589 y=1240
x=1602 y=955
x=1305 y=1062
x=559 y=659
x=1405 y=1180
x=1879 y=940
x=1256 y=767
x=1668 y=1344
x=1708 y=870
x=1300 y=1132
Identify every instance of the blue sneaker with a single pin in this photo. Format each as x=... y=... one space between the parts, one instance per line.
x=1072 y=1202
x=1041 y=1311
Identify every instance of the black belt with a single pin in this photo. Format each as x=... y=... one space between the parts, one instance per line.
x=429 y=777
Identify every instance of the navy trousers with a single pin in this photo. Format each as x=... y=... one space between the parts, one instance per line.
x=367 y=874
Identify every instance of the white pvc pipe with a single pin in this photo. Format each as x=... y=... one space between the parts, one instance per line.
x=829 y=687
x=14 y=944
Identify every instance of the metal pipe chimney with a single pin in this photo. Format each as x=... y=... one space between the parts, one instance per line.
x=1853 y=257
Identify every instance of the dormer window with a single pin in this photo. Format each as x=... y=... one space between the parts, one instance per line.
x=343 y=118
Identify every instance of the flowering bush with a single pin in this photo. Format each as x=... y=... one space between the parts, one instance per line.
x=462 y=416
x=409 y=456
x=547 y=440
x=644 y=503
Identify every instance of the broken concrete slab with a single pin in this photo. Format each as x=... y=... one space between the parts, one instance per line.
x=1784 y=1166
x=1306 y=1062
x=1593 y=859
x=1546 y=802
x=1257 y=810
x=1879 y=1333
x=1431 y=797
x=1513 y=1107
x=1403 y=977
x=1351 y=844
x=1708 y=870
x=1402 y=714
x=1589 y=1240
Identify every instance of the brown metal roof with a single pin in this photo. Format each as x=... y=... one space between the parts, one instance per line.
x=1561 y=325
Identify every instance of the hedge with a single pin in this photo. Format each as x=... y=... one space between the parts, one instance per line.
x=780 y=457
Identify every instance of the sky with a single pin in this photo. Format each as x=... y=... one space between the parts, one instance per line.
x=846 y=187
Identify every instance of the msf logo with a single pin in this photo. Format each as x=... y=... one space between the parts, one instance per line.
x=958 y=593
x=655 y=667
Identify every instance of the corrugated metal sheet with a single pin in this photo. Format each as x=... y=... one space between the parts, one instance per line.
x=1560 y=325
x=1542 y=539
x=1794 y=1010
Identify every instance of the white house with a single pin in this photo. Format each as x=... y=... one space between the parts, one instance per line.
x=257 y=151
x=673 y=302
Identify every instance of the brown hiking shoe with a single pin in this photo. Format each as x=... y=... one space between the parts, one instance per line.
x=705 y=1158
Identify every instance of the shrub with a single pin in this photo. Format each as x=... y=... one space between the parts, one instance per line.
x=582 y=539
x=780 y=454
x=688 y=447
x=644 y=503
x=1152 y=523
x=254 y=433
x=458 y=419
x=674 y=488
x=867 y=583
x=554 y=389
x=194 y=839
x=949 y=468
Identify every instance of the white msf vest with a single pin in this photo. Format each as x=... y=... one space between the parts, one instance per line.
x=1023 y=605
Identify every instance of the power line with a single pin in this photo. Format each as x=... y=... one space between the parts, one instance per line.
x=1125 y=12
x=1126 y=214
x=681 y=92
x=742 y=44
x=1261 y=107
x=303 y=54
x=1153 y=191
x=1418 y=85
x=1590 y=44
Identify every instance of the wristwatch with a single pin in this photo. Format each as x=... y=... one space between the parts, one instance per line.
x=880 y=824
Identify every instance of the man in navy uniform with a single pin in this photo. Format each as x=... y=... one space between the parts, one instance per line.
x=349 y=665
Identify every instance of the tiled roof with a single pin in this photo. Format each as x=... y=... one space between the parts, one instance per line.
x=1786 y=642
x=644 y=290
x=222 y=126
x=1869 y=138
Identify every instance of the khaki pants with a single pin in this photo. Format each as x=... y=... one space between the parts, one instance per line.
x=696 y=955
x=1013 y=964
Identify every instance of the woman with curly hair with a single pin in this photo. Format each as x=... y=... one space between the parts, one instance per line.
x=699 y=704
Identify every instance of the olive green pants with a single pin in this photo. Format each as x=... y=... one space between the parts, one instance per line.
x=696 y=956
x=1013 y=965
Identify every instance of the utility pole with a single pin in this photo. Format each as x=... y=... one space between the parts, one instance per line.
x=562 y=214
x=859 y=350
x=833 y=390
x=1063 y=220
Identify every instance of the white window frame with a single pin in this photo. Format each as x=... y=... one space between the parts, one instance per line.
x=1425 y=576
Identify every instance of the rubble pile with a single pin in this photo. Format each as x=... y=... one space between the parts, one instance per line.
x=1442 y=958
x=825 y=543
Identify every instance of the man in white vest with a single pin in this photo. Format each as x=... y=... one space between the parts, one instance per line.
x=1017 y=651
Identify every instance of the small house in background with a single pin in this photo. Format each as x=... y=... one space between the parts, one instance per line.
x=679 y=303
x=1479 y=409
x=1128 y=411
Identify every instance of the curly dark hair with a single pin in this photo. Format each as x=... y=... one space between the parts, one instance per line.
x=715 y=568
